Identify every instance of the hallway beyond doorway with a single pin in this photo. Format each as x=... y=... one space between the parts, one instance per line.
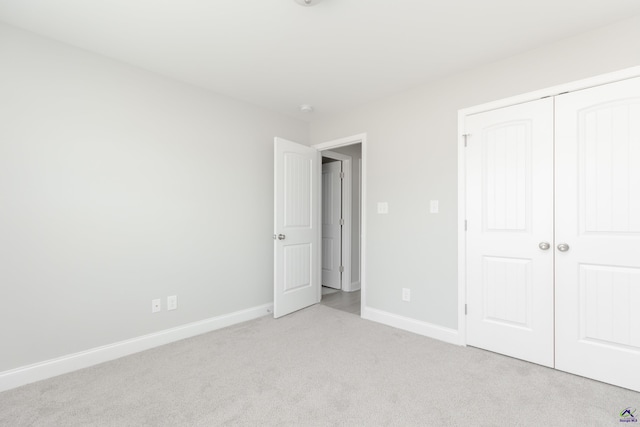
x=340 y=300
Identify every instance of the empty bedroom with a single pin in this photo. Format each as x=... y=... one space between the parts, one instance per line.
x=319 y=212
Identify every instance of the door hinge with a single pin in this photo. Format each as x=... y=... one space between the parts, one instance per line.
x=341 y=175
x=342 y=269
x=465 y=225
x=465 y=309
x=341 y=221
x=466 y=137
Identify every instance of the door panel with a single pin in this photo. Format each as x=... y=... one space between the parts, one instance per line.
x=296 y=227
x=507 y=291
x=607 y=301
x=509 y=212
x=331 y=227
x=598 y=216
x=298 y=259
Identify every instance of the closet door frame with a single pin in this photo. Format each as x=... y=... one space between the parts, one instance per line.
x=462 y=196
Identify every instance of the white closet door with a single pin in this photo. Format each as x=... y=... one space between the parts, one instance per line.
x=509 y=217
x=598 y=217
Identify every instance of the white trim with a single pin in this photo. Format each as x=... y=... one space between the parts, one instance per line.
x=351 y=140
x=462 y=238
x=342 y=142
x=360 y=213
x=345 y=283
x=430 y=330
x=354 y=286
x=587 y=83
x=603 y=79
x=72 y=362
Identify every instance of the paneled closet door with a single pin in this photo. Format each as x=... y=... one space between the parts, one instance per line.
x=598 y=221
x=509 y=188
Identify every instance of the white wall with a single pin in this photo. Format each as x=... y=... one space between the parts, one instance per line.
x=412 y=158
x=118 y=186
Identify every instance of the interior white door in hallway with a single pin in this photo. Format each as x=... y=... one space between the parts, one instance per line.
x=598 y=219
x=331 y=224
x=509 y=190
x=296 y=227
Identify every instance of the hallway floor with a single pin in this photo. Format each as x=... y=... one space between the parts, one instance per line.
x=340 y=300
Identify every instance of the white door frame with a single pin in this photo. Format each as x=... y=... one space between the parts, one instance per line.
x=462 y=114
x=345 y=281
x=351 y=140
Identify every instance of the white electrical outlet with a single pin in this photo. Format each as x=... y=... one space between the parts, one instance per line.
x=383 y=208
x=406 y=294
x=156 y=305
x=172 y=302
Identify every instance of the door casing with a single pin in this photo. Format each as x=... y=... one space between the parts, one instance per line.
x=347 y=209
x=331 y=258
x=342 y=142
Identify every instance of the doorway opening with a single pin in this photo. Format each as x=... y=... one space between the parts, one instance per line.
x=341 y=227
x=297 y=228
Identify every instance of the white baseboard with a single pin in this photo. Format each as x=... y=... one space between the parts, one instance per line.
x=352 y=287
x=72 y=362
x=430 y=330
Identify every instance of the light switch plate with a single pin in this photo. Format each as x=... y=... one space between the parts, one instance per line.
x=155 y=305
x=172 y=302
x=434 y=206
x=383 y=207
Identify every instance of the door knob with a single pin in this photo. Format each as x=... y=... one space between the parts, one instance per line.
x=281 y=237
x=544 y=246
x=563 y=247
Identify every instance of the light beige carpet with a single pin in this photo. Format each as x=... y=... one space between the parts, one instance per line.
x=316 y=367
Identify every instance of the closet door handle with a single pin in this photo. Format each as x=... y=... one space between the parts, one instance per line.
x=544 y=246
x=563 y=247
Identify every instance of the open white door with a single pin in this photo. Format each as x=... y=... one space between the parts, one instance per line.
x=296 y=227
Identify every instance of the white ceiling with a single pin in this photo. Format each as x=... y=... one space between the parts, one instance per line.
x=335 y=55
